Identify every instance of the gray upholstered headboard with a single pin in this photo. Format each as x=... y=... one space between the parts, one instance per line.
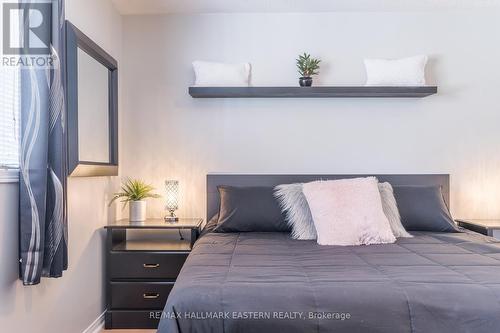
x=214 y=180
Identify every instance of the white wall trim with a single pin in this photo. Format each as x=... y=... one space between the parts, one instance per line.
x=96 y=326
x=9 y=175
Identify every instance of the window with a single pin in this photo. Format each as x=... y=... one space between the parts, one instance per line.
x=9 y=117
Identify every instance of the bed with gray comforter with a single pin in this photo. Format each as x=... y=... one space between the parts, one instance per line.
x=268 y=282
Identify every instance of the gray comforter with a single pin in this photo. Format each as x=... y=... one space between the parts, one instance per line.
x=267 y=282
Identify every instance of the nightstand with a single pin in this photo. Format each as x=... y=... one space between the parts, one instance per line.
x=485 y=227
x=140 y=272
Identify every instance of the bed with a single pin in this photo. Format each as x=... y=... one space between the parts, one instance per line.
x=268 y=282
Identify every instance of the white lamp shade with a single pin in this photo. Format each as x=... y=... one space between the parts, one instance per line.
x=172 y=197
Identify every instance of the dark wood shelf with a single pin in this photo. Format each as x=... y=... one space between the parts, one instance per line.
x=312 y=92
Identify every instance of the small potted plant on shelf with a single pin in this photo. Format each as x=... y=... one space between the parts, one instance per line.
x=134 y=192
x=307 y=67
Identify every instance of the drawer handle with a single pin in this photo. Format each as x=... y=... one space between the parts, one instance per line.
x=151 y=265
x=150 y=296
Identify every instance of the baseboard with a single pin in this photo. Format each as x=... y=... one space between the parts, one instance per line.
x=97 y=326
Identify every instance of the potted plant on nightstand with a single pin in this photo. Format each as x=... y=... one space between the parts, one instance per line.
x=134 y=192
x=307 y=67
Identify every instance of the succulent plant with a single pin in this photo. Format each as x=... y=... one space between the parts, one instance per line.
x=307 y=66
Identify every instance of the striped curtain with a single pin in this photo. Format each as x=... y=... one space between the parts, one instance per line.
x=43 y=232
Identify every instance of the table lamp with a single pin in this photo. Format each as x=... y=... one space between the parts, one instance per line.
x=172 y=204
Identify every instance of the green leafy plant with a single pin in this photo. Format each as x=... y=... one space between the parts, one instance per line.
x=307 y=66
x=134 y=190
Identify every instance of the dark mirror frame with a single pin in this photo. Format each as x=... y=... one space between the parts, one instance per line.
x=76 y=39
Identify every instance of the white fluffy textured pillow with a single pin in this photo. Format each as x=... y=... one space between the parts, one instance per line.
x=398 y=72
x=348 y=212
x=298 y=216
x=390 y=207
x=221 y=74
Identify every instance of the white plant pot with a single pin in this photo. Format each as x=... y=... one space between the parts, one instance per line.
x=137 y=211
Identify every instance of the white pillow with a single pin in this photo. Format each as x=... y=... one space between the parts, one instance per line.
x=399 y=72
x=390 y=207
x=221 y=74
x=348 y=212
x=298 y=216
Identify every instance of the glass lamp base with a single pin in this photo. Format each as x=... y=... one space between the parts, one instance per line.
x=171 y=218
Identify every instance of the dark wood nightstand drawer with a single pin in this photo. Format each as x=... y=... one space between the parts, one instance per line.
x=141 y=271
x=139 y=295
x=126 y=265
x=132 y=319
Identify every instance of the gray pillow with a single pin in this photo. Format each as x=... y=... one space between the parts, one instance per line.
x=294 y=205
x=210 y=226
x=422 y=208
x=245 y=209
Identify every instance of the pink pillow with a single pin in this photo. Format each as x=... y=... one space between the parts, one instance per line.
x=348 y=212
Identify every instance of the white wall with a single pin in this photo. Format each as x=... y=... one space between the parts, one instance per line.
x=167 y=134
x=71 y=303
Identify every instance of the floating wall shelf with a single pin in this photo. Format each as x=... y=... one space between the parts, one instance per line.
x=312 y=92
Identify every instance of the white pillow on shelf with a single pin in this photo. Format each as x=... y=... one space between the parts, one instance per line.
x=397 y=72
x=221 y=74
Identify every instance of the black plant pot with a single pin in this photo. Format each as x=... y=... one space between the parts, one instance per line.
x=306 y=81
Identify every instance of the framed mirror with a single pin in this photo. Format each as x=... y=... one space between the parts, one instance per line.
x=92 y=101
